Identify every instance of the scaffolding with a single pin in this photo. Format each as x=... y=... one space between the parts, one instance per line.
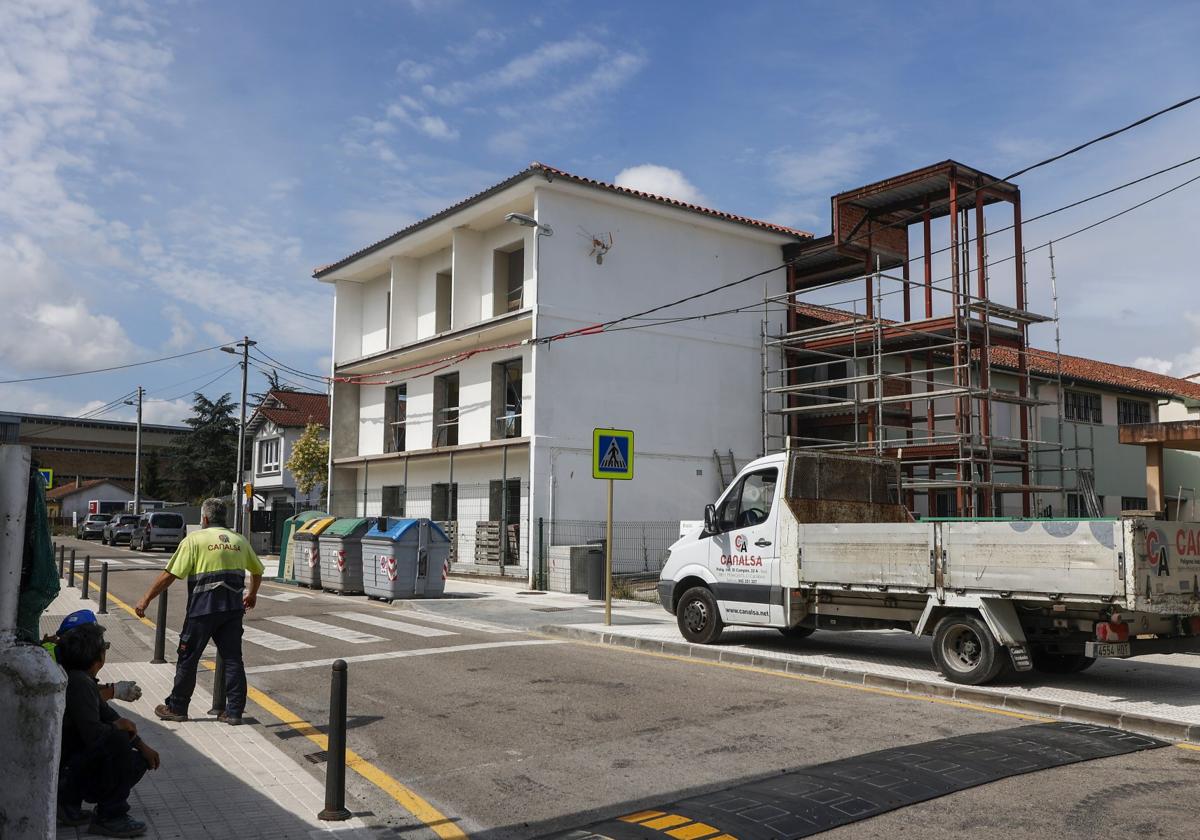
x=946 y=389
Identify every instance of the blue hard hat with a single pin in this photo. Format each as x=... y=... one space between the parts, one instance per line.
x=76 y=619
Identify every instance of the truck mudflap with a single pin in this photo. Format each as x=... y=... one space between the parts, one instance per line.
x=1141 y=647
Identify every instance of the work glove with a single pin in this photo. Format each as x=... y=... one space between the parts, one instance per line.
x=127 y=690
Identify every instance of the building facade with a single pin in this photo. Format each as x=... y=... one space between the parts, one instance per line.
x=80 y=449
x=273 y=429
x=470 y=367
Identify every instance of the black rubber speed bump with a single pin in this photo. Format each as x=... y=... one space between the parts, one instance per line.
x=816 y=799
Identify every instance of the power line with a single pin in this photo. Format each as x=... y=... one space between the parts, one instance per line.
x=107 y=369
x=225 y=372
x=271 y=360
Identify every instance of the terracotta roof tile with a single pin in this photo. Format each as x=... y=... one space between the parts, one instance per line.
x=1044 y=363
x=293 y=409
x=64 y=490
x=550 y=172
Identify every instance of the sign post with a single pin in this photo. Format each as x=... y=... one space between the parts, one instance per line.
x=612 y=459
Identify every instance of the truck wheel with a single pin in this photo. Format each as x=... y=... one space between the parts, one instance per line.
x=965 y=651
x=1061 y=663
x=798 y=632
x=698 y=617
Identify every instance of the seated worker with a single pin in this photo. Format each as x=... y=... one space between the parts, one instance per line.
x=102 y=755
x=126 y=690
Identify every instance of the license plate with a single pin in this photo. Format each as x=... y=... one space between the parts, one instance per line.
x=1119 y=649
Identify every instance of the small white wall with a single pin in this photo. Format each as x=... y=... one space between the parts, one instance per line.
x=468 y=277
x=405 y=280
x=77 y=503
x=370 y=419
x=426 y=301
x=348 y=326
x=375 y=314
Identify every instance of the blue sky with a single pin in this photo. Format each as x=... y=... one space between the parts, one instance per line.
x=170 y=173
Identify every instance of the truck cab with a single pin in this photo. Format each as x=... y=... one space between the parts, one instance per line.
x=734 y=557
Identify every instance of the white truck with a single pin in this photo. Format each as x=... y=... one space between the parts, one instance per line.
x=803 y=542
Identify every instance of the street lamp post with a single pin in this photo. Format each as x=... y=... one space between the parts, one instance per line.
x=239 y=511
x=137 y=453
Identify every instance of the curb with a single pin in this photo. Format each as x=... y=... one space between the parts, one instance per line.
x=1163 y=728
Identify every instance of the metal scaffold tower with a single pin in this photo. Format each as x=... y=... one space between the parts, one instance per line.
x=946 y=389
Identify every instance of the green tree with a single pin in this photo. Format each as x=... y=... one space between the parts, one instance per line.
x=153 y=484
x=310 y=459
x=204 y=462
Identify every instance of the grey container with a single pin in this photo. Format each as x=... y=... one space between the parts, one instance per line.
x=340 y=546
x=405 y=558
x=306 y=557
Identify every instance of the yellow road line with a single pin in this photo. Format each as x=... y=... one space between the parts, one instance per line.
x=439 y=823
x=884 y=692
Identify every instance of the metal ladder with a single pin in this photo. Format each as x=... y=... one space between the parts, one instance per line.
x=1087 y=487
x=724 y=461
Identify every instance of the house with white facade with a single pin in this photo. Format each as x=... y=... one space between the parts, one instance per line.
x=475 y=351
x=272 y=430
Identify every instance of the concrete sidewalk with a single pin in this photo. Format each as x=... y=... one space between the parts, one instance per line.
x=216 y=781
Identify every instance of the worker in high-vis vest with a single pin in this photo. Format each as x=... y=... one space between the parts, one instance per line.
x=215 y=562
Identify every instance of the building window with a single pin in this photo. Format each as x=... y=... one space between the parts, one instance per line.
x=395 y=416
x=444 y=507
x=501 y=508
x=1082 y=407
x=1134 y=503
x=10 y=430
x=444 y=302
x=445 y=410
x=268 y=455
x=508 y=279
x=392 y=500
x=1133 y=411
x=1077 y=506
x=506 y=399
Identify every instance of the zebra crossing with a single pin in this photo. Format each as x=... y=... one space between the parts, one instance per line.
x=126 y=562
x=310 y=629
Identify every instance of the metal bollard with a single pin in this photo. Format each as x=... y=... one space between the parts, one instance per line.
x=87 y=576
x=103 y=588
x=218 y=691
x=71 y=579
x=335 y=765
x=160 y=631
x=62 y=560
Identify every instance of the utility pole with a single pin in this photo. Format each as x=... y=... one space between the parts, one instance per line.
x=137 y=453
x=239 y=498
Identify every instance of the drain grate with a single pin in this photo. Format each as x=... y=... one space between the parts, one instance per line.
x=823 y=797
x=550 y=609
x=317 y=757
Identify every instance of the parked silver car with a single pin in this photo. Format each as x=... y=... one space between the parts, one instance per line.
x=93 y=526
x=158 y=529
x=119 y=528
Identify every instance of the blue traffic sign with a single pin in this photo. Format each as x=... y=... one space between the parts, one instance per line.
x=612 y=453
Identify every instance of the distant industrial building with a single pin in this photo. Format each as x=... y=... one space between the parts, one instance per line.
x=81 y=450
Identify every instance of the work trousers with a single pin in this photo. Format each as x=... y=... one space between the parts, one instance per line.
x=224 y=628
x=104 y=774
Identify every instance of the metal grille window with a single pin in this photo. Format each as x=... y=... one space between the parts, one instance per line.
x=1134 y=503
x=445 y=410
x=395 y=416
x=506 y=399
x=443 y=502
x=1082 y=407
x=1133 y=411
x=268 y=455
x=10 y=430
x=392 y=498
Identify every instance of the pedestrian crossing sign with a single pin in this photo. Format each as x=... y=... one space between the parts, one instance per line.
x=48 y=478
x=612 y=453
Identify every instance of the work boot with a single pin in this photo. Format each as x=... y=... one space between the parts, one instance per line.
x=232 y=720
x=122 y=826
x=165 y=712
x=73 y=815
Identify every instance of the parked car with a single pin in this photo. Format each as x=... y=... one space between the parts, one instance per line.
x=93 y=526
x=158 y=530
x=119 y=528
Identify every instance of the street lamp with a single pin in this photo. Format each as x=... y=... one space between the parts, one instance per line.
x=245 y=344
x=525 y=220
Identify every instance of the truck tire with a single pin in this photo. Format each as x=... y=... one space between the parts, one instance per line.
x=798 y=632
x=1061 y=663
x=698 y=617
x=965 y=651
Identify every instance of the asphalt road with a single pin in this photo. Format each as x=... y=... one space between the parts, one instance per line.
x=515 y=735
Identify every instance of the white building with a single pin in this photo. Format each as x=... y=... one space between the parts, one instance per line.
x=273 y=429
x=470 y=373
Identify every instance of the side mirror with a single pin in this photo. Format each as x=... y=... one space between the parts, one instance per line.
x=710 y=519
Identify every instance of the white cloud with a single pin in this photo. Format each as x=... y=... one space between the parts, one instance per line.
x=829 y=167
x=660 y=180
x=414 y=71
x=530 y=67
x=168 y=412
x=1152 y=364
